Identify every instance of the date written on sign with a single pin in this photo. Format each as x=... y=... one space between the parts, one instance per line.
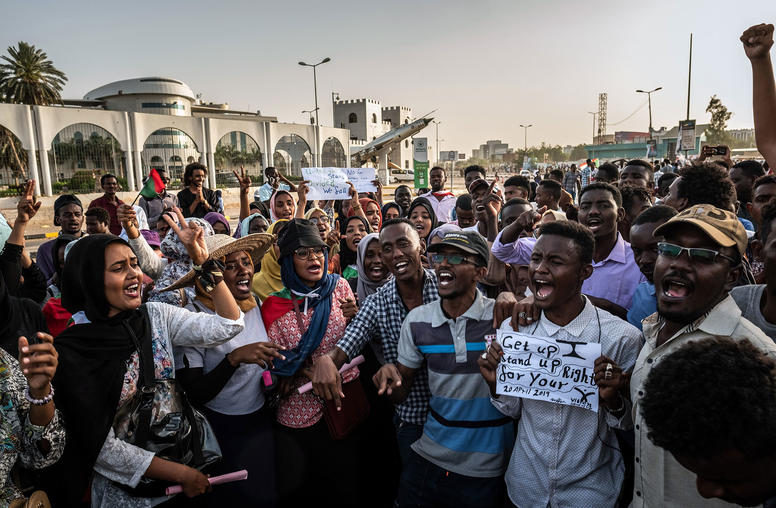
x=542 y=368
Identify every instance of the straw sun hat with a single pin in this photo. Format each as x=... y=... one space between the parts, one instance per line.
x=219 y=246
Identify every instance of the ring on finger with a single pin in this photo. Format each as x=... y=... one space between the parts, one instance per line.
x=484 y=355
x=608 y=374
x=521 y=315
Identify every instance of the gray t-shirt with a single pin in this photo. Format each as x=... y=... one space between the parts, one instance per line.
x=748 y=300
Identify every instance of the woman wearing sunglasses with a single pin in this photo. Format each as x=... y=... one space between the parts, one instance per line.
x=306 y=319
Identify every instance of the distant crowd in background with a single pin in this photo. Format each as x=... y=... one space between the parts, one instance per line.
x=347 y=352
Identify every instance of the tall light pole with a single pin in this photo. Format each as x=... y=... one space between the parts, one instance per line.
x=525 y=141
x=315 y=89
x=649 y=100
x=436 y=125
x=594 y=113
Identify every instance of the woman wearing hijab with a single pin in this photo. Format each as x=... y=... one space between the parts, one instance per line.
x=391 y=211
x=226 y=379
x=329 y=235
x=219 y=223
x=355 y=228
x=372 y=272
x=252 y=224
x=307 y=320
x=422 y=216
x=282 y=205
x=371 y=210
x=267 y=280
x=101 y=368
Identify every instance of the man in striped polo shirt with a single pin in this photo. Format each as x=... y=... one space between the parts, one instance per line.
x=459 y=460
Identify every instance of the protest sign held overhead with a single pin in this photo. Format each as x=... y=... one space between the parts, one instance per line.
x=332 y=183
x=543 y=368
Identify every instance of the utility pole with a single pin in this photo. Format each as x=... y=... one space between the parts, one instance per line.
x=317 y=158
x=689 y=79
x=525 y=141
x=594 y=113
x=436 y=125
x=649 y=100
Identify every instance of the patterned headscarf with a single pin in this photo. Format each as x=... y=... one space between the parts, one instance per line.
x=178 y=264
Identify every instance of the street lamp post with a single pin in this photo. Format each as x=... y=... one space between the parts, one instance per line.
x=649 y=100
x=594 y=113
x=315 y=89
x=525 y=141
x=436 y=125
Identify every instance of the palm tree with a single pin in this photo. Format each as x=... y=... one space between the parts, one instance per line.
x=28 y=77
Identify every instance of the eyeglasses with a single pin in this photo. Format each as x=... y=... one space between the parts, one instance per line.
x=309 y=252
x=324 y=219
x=707 y=256
x=453 y=259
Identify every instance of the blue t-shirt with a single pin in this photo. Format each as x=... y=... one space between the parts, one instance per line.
x=644 y=304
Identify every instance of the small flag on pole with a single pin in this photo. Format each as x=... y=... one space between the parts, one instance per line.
x=152 y=186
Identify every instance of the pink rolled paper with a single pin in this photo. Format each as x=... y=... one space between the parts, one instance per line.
x=356 y=361
x=224 y=478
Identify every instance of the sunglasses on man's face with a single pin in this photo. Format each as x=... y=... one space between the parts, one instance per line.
x=707 y=256
x=453 y=259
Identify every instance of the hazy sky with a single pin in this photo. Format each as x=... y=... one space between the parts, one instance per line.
x=486 y=66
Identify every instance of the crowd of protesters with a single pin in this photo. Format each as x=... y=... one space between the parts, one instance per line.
x=343 y=352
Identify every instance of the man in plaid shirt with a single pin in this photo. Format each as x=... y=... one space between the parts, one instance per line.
x=379 y=321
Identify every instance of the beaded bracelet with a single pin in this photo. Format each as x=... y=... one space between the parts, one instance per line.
x=39 y=402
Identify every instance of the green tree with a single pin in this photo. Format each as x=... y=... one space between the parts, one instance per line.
x=578 y=153
x=27 y=77
x=716 y=132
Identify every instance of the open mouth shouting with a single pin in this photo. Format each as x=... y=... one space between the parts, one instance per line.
x=132 y=291
x=401 y=267
x=676 y=288
x=594 y=223
x=377 y=272
x=446 y=278
x=243 y=284
x=542 y=288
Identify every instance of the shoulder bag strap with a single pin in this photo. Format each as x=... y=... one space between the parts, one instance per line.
x=147 y=378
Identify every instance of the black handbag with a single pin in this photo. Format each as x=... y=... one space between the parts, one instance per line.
x=160 y=419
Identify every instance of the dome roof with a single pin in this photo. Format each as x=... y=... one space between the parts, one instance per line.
x=151 y=85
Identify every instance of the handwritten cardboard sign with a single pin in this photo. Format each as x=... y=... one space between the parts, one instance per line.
x=542 y=368
x=332 y=183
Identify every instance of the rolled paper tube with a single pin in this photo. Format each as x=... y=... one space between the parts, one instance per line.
x=216 y=480
x=356 y=361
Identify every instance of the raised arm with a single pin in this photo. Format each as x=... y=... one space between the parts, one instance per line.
x=245 y=188
x=757 y=42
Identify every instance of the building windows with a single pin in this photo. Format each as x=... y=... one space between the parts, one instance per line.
x=353 y=118
x=406 y=144
x=164 y=105
x=374 y=118
x=406 y=164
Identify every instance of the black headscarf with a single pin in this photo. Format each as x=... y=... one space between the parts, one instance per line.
x=92 y=362
x=388 y=206
x=425 y=203
x=347 y=256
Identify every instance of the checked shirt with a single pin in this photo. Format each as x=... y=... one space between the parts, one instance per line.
x=379 y=321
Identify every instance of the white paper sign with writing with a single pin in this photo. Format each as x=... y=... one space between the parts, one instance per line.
x=542 y=368
x=332 y=183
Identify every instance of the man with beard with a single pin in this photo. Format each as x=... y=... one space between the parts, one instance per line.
x=698 y=262
x=461 y=456
x=441 y=200
x=644 y=245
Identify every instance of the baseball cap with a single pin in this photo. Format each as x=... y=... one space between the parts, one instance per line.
x=467 y=241
x=64 y=200
x=720 y=225
x=477 y=184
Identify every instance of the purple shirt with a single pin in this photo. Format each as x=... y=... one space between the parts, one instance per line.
x=614 y=279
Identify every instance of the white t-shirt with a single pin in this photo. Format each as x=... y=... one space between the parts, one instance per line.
x=242 y=394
